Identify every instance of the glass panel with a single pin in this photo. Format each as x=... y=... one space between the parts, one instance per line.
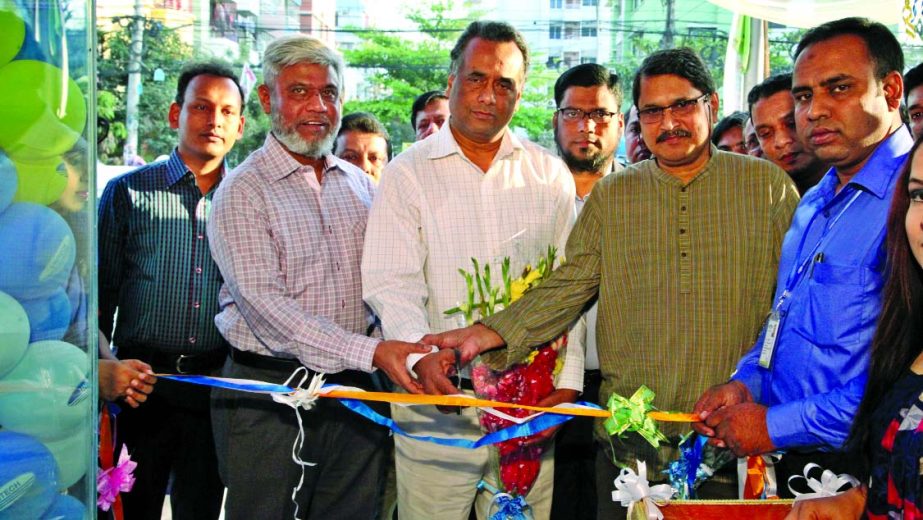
x=48 y=349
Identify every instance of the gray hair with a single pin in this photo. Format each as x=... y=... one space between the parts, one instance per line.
x=292 y=49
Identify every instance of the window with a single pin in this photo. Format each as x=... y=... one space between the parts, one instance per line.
x=588 y=59
x=573 y=4
x=590 y=3
x=555 y=4
x=571 y=30
x=588 y=30
x=571 y=58
x=554 y=32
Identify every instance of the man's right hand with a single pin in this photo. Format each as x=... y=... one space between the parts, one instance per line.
x=391 y=357
x=717 y=397
x=434 y=371
x=470 y=341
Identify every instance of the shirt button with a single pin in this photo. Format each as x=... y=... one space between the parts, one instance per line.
x=196 y=305
x=198 y=270
x=682 y=208
x=200 y=236
x=192 y=339
x=683 y=189
x=682 y=255
x=682 y=231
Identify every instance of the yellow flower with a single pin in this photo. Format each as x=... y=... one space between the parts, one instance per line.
x=517 y=288
x=532 y=276
x=532 y=356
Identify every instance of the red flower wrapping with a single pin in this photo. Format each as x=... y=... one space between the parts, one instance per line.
x=526 y=383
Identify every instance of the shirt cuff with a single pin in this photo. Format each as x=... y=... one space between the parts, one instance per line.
x=786 y=427
x=749 y=375
x=364 y=347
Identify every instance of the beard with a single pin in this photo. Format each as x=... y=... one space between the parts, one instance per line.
x=295 y=143
x=594 y=162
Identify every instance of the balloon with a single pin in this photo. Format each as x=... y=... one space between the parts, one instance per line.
x=14 y=333
x=44 y=112
x=28 y=476
x=49 y=318
x=42 y=181
x=12 y=33
x=8 y=181
x=71 y=453
x=66 y=507
x=37 y=251
x=47 y=394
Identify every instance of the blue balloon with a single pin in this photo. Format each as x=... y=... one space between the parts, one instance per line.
x=49 y=317
x=28 y=477
x=14 y=333
x=72 y=455
x=9 y=181
x=47 y=394
x=66 y=507
x=37 y=251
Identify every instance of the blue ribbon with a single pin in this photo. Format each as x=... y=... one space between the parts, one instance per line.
x=686 y=471
x=542 y=422
x=508 y=506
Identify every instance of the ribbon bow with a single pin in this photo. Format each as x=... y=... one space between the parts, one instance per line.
x=632 y=415
x=829 y=484
x=631 y=488
x=508 y=506
x=117 y=479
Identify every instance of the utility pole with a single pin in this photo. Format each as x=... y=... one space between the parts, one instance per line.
x=134 y=83
x=670 y=29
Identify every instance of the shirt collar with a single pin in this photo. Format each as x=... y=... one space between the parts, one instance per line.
x=707 y=167
x=876 y=175
x=284 y=163
x=445 y=144
x=177 y=169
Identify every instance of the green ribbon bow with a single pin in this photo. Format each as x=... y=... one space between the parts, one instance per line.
x=631 y=415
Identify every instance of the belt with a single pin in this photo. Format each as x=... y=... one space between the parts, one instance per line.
x=254 y=360
x=466 y=384
x=163 y=361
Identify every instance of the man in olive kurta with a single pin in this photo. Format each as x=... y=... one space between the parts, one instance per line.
x=681 y=252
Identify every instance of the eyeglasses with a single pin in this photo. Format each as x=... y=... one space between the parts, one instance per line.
x=681 y=108
x=599 y=116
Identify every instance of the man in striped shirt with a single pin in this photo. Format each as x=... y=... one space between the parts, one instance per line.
x=681 y=253
x=157 y=272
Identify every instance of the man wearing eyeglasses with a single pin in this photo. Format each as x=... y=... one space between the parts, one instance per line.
x=681 y=254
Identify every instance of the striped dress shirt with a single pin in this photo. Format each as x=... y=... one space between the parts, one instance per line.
x=289 y=248
x=684 y=276
x=436 y=210
x=155 y=266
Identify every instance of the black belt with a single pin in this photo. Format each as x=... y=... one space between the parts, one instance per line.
x=181 y=363
x=254 y=360
x=466 y=384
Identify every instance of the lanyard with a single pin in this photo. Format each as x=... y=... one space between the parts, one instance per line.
x=796 y=274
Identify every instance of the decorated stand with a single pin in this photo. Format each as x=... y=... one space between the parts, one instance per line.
x=47 y=353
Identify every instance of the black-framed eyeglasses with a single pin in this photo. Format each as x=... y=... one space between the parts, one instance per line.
x=599 y=116
x=681 y=108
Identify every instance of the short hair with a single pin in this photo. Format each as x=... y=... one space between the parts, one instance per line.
x=682 y=62
x=882 y=46
x=769 y=87
x=734 y=120
x=421 y=103
x=200 y=68
x=365 y=123
x=493 y=32
x=292 y=49
x=913 y=79
x=587 y=75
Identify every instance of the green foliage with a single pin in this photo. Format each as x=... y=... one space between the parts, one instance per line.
x=163 y=49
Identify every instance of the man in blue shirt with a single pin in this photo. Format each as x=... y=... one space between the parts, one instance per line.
x=798 y=388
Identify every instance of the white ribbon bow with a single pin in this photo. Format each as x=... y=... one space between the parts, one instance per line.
x=829 y=484
x=631 y=488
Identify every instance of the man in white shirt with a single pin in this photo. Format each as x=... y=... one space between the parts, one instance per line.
x=587 y=128
x=471 y=190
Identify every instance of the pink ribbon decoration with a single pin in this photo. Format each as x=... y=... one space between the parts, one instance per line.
x=115 y=480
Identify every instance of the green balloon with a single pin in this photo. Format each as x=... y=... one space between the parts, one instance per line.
x=12 y=32
x=44 y=111
x=41 y=182
x=14 y=333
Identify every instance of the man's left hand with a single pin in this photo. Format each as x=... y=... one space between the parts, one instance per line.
x=742 y=429
x=558 y=396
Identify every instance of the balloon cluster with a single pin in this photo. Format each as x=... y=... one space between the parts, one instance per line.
x=45 y=403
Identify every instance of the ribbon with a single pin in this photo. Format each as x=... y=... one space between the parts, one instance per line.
x=689 y=468
x=632 y=415
x=756 y=476
x=632 y=488
x=299 y=398
x=508 y=506
x=829 y=484
x=114 y=480
x=106 y=454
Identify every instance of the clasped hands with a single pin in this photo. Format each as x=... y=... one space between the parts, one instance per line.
x=733 y=420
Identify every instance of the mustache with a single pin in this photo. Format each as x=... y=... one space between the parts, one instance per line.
x=673 y=133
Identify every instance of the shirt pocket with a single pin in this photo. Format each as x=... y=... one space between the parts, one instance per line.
x=835 y=305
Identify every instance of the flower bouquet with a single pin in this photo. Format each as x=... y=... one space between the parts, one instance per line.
x=517 y=461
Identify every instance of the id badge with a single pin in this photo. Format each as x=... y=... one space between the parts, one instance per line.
x=770 y=338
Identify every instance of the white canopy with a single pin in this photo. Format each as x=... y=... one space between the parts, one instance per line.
x=808 y=13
